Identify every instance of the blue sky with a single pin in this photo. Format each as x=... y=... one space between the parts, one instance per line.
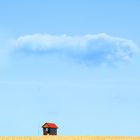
x=75 y=63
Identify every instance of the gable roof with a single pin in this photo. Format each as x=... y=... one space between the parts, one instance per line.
x=49 y=125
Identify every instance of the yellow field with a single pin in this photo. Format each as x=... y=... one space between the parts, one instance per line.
x=69 y=137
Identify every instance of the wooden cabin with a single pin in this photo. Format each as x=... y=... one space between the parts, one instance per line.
x=50 y=129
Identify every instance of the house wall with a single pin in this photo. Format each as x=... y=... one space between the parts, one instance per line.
x=50 y=131
x=53 y=131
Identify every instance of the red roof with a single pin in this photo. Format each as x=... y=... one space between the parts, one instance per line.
x=50 y=125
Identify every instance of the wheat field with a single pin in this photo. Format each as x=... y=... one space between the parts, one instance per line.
x=69 y=137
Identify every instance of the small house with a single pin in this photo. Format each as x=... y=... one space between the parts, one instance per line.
x=50 y=129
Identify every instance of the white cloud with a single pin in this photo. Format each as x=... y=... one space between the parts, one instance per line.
x=98 y=48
